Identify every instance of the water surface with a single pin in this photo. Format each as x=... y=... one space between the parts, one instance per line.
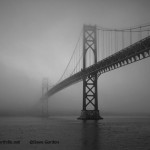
x=68 y=133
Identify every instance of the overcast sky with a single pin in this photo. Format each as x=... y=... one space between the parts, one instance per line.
x=37 y=38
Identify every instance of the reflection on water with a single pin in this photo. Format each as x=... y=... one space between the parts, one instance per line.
x=90 y=135
x=72 y=134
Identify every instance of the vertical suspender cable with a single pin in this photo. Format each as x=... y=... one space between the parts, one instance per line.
x=122 y=39
x=98 y=45
x=147 y=32
x=79 y=56
x=130 y=36
x=74 y=63
x=76 y=60
x=115 y=41
x=102 y=44
x=106 y=44
x=140 y=34
x=110 y=42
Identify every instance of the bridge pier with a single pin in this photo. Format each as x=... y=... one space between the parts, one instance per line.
x=90 y=95
x=90 y=115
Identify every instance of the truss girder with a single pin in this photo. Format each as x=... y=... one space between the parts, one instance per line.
x=135 y=52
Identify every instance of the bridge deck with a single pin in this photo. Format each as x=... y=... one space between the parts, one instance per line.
x=130 y=54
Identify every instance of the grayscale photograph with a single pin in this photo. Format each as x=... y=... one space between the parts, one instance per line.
x=74 y=75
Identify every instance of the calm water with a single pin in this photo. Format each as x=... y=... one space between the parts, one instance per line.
x=112 y=133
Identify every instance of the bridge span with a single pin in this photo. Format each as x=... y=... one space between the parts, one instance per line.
x=89 y=72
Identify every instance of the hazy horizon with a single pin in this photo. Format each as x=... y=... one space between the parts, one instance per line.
x=37 y=39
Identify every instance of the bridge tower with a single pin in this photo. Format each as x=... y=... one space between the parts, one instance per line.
x=90 y=96
x=45 y=98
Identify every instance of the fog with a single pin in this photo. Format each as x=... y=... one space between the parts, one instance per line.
x=37 y=38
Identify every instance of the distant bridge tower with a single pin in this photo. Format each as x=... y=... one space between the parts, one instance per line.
x=90 y=96
x=44 y=99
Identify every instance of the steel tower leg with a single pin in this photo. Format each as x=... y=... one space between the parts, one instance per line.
x=90 y=96
x=45 y=98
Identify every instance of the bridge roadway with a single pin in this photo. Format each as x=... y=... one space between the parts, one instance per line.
x=128 y=55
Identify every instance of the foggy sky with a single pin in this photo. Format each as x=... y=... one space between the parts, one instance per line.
x=37 y=38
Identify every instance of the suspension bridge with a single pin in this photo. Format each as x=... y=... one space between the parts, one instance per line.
x=99 y=50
